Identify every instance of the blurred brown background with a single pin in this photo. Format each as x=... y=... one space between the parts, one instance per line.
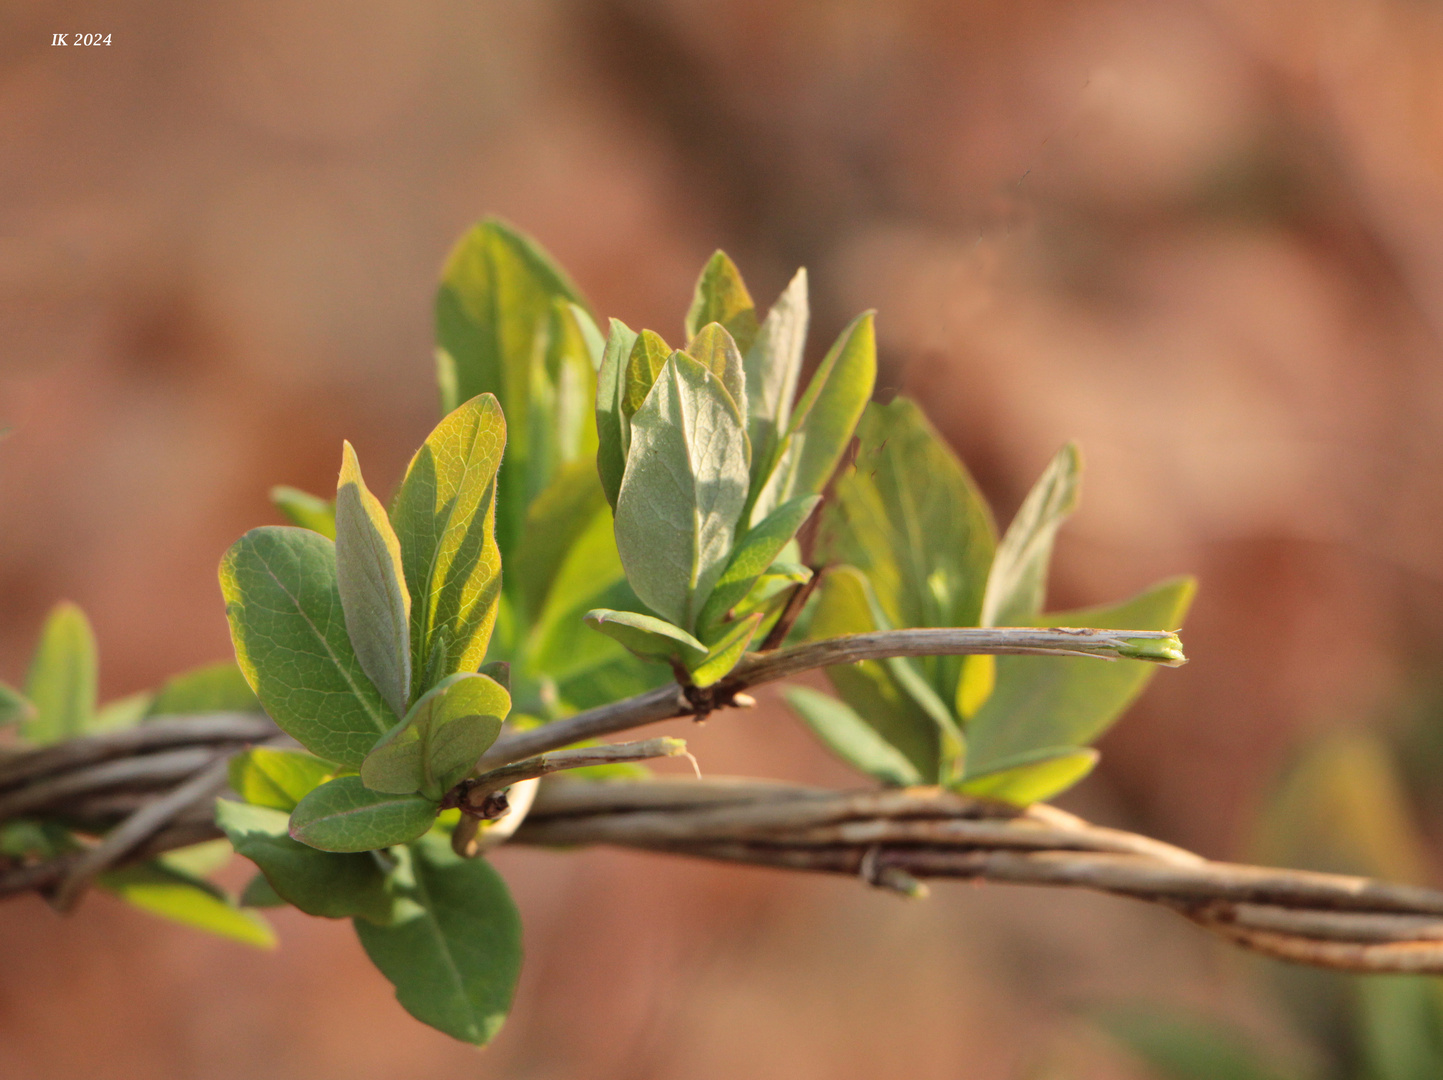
x=1205 y=238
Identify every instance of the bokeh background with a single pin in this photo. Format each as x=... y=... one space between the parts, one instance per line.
x=1204 y=237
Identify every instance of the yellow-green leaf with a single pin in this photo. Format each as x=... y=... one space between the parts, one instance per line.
x=721 y=297
x=190 y=901
x=267 y=776
x=305 y=510
x=62 y=678
x=1032 y=777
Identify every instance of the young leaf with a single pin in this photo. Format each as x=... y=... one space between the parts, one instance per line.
x=277 y=778
x=648 y=355
x=15 y=708
x=1017 y=581
x=1047 y=701
x=851 y=738
x=121 y=713
x=444 y=516
x=454 y=951
x=1032 y=777
x=191 y=901
x=563 y=399
x=332 y=886
x=61 y=682
x=721 y=297
x=869 y=687
x=590 y=333
x=305 y=510
x=714 y=349
x=613 y=426
x=554 y=521
x=213 y=688
x=726 y=652
x=441 y=738
x=647 y=637
x=284 y=608
x=823 y=422
x=683 y=491
x=345 y=815
x=498 y=292
x=374 y=598
x=750 y=559
x=772 y=366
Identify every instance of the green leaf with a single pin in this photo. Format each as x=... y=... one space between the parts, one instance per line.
x=454 y=951
x=277 y=778
x=213 y=688
x=345 y=815
x=590 y=334
x=646 y=636
x=332 y=886
x=445 y=516
x=869 y=687
x=1181 y=1047
x=726 y=652
x=851 y=738
x=648 y=356
x=198 y=860
x=613 y=426
x=284 y=608
x=1032 y=777
x=1401 y=1021
x=772 y=366
x=714 y=349
x=683 y=491
x=1047 y=701
x=563 y=399
x=721 y=297
x=554 y=522
x=15 y=708
x=441 y=738
x=975 y=684
x=824 y=419
x=493 y=310
x=374 y=597
x=121 y=713
x=260 y=893
x=61 y=682
x=191 y=901
x=751 y=557
x=1017 y=582
x=305 y=510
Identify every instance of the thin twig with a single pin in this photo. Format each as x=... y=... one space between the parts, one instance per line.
x=147 y=772
x=671 y=701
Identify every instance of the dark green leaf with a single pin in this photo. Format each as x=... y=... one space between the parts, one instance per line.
x=260 y=893
x=613 y=426
x=751 y=557
x=345 y=815
x=684 y=489
x=1032 y=777
x=1045 y=701
x=445 y=516
x=454 y=951
x=1017 y=582
x=277 y=778
x=722 y=297
x=332 y=886
x=772 y=366
x=183 y=899
x=305 y=510
x=646 y=636
x=374 y=597
x=851 y=738
x=213 y=688
x=284 y=608
x=441 y=738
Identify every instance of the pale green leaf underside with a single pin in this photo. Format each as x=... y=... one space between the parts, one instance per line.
x=441 y=738
x=684 y=489
x=646 y=636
